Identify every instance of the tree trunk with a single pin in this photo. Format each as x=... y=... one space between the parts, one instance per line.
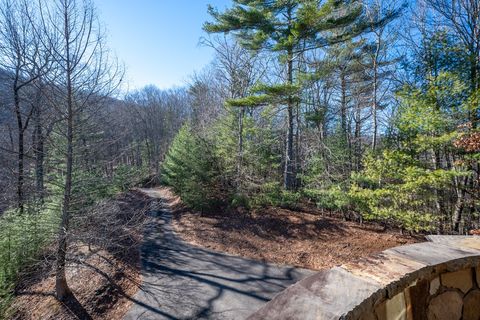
x=138 y=155
x=39 y=152
x=358 y=140
x=21 y=155
x=289 y=174
x=474 y=112
x=322 y=147
x=375 y=99
x=343 y=119
x=343 y=104
x=439 y=195
x=61 y=286
x=240 y=146
x=298 y=181
x=149 y=152
x=459 y=205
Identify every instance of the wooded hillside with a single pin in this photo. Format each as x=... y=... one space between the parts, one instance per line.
x=368 y=109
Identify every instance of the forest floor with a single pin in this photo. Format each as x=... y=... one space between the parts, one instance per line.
x=308 y=238
x=103 y=280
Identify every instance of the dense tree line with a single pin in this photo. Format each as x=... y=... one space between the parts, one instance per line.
x=327 y=101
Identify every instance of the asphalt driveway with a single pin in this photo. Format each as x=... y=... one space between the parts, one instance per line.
x=182 y=281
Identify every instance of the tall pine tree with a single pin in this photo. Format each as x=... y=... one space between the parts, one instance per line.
x=287 y=28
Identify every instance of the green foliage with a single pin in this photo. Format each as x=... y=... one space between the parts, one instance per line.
x=5 y=301
x=268 y=95
x=331 y=165
x=92 y=185
x=260 y=154
x=282 y=25
x=205 y=170
x=240 y=200
x=433 y=109
x=224 y=136
x=22 y=237
x=401 y=186
x=251 y=101
x=272 y=194
x=191 y=168
x=397 y=189
x=125 y=176
x=334 y=198
x=264 y=153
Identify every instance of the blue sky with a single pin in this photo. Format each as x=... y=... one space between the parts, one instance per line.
x=158 y=39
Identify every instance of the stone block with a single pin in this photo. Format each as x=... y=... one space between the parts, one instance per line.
x=296 y=303
x=471 y=305
x=430 y=253
x=477 y=272
x=446 y=306
x=466 y=242
x=326 y=295
x=352 y=290
x=368 y=316
x=434 y=286
x=408 y=305
x=461 y=279
x=384 y=267
x=416 y=299
x=470 y=242
x=392 y=309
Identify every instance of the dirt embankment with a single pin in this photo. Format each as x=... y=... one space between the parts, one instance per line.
x=307 y=238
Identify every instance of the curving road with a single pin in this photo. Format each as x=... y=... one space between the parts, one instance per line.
x=182 y=281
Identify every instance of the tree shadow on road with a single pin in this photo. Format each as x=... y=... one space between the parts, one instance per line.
x=182 y=281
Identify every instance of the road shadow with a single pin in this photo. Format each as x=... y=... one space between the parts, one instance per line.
x=183 y=281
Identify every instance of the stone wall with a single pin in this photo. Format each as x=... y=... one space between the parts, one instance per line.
x=433 y=280
x=448 y=296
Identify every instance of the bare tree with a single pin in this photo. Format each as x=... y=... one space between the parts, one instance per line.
x=83 y=76
x=206 y=100
x=238 y=70
x=156 y=116
x=23 y=57
x=462 y=19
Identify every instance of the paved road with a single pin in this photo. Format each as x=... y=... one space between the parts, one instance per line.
x=181 y=281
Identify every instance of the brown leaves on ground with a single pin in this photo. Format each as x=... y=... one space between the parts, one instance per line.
x=101 y=284
x=103 y=269
x=302 y=239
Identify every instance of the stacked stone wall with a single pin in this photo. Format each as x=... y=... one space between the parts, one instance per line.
x=448 y=296
x=436 y=280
